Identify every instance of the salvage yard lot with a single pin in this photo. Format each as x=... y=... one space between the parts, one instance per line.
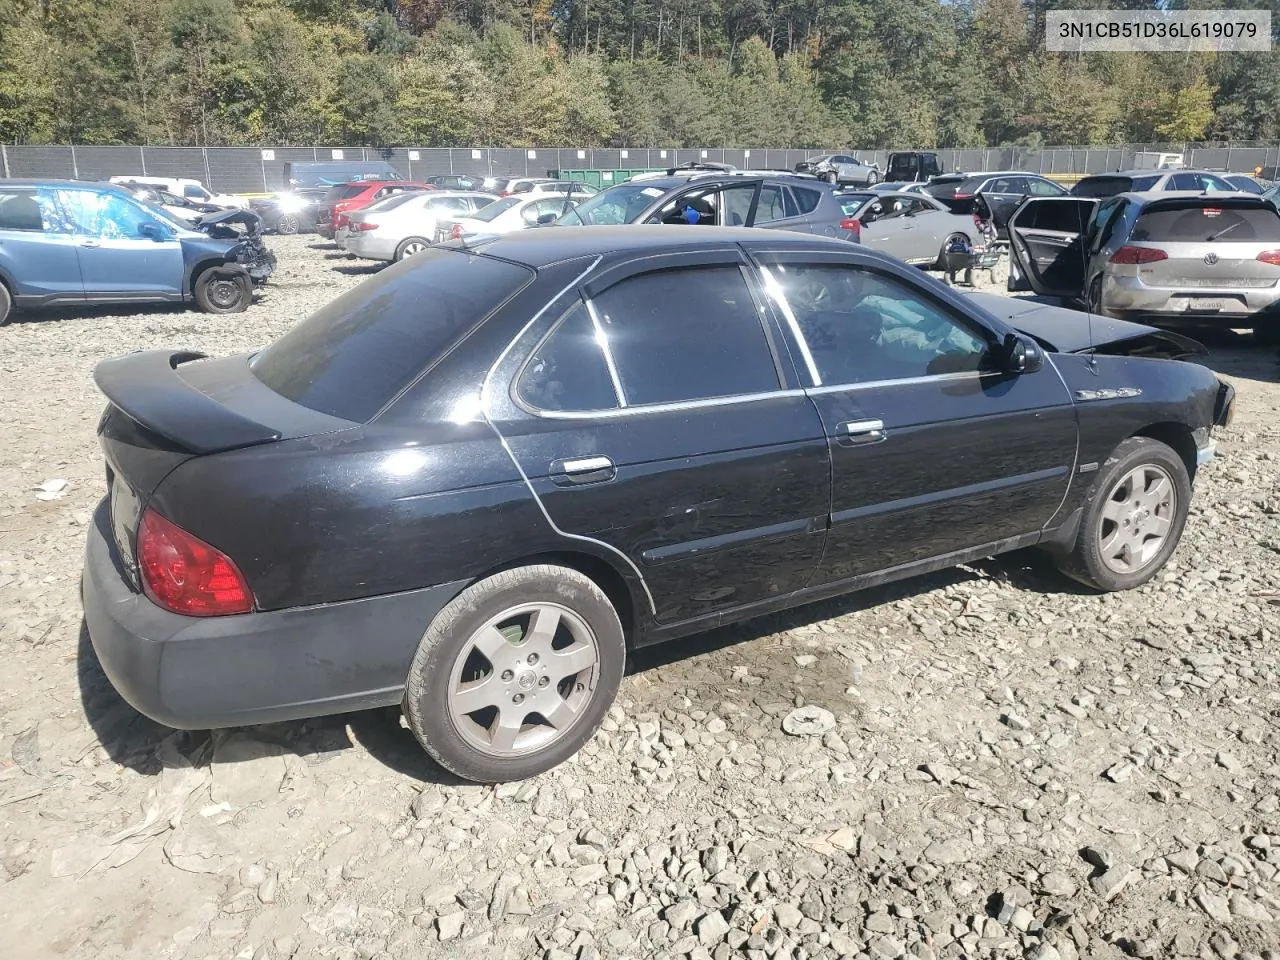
x=1018 y=767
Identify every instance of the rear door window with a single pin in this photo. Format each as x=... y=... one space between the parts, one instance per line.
x=19 y=210
x=1043 y=188
x=689 y=334
x=354 y=355
x=771 y=205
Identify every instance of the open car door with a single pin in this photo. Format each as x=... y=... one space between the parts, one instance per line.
x=1047 y=238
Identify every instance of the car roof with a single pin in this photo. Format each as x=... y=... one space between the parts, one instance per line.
x=1001 y=173
x=1147 y=197
x=542 y=246
x=1162 y=172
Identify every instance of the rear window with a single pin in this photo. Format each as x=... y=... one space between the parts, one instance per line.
x=496 y=209
x=970 y=186
x=1100 y=187
x=851 y=203
x=1202 y=222
x=351 y=357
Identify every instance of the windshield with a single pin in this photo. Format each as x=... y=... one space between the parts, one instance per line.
x=496 y=209
x=851 y=203
x=621 y=204
x=352 y=356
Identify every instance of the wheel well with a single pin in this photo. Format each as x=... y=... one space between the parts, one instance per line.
x=1175 y=435
x=603 y=574
x=203 y=267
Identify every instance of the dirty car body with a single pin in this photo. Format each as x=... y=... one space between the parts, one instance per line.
x=561 y=397
x=67 y=242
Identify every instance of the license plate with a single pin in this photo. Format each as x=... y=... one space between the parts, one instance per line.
x=1200 y=304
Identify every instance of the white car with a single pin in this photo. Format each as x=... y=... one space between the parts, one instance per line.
x=506 y=215
x=542 y=186
x=404 y=224
x=189 y=189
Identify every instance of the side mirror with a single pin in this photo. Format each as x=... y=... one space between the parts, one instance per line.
x=1022 y=354
x=154 y=231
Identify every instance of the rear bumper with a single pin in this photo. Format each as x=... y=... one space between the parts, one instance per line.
x=368 y=245
x=200 y=672
x=1240 y=306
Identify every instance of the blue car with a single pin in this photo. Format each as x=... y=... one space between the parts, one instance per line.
x=66 y=242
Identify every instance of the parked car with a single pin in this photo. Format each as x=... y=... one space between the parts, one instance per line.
x=993 y=197
x=304 y=174
x=343 y=198
x=915 y=166
x=781 y=202
x=916 y=229
x=899 y=186
x=184 y=187
x=1146 y=181
x=290 y=212
x=1272 y=195
x=456 y=181
x=187 y=211
x=840 y=168
x=541 y=186
x=618 y=443
x=1167 y=258
x=65 y=242
x=405 y=224
x=689 y=166
x=504 y=215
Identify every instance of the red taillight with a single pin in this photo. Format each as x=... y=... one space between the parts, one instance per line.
x=456 y=232
x=852 y=225
x=1270 y=256
x=185 y=575
x=962 y=196
x=505 y=193
x=360 y=227
x=340 y=220
x=1136 y=255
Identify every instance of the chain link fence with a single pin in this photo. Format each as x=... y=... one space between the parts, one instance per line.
x=261 y=170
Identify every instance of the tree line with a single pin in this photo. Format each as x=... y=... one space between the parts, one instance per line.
x=527 y=73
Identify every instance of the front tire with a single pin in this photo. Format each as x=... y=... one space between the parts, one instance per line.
x=6 y=305
x=287 y=225
x=873 y=178
x=410 y=247
x=1133 y=517
x=218 y=291
x=515 y=674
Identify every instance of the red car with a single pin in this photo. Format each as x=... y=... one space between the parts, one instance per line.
x=331 y=213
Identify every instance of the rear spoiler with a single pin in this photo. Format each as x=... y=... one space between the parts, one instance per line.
x=147 y=386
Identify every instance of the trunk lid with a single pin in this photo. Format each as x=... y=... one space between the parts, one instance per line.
x=1210 y=244
x=166 y=407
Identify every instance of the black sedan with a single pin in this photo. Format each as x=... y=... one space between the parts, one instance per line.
x=471 y=484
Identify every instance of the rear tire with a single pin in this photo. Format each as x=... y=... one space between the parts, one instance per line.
x=287 y=225
x=410 y=246
x=872 y=179
x=1133 y=517
x=1266 y=334
x=218 y=291
x=508 y=650
x=6 y=305
x=830 y=177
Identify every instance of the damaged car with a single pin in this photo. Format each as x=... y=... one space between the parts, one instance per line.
x=471 y=485
x=66 y=243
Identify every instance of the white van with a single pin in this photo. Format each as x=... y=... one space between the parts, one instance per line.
x=191 y=189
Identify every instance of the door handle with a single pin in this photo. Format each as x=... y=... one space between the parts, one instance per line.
x=862 y=431
x=580 y=470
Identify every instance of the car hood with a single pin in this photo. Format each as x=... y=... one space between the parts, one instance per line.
x=230 y=218
x=1062 y=330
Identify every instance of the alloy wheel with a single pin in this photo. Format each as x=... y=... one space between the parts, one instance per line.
x=523 y=680
x=1136 y=519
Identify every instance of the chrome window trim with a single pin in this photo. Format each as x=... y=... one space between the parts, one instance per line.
x=904 y=381
x=673 y=407
x=605 y=349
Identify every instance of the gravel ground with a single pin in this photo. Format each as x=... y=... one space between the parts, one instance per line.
x=992 y=763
